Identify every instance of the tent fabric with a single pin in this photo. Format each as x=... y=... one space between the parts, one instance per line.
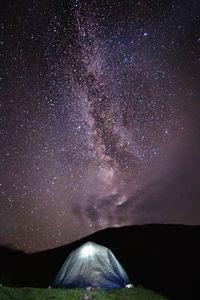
x=91 y=265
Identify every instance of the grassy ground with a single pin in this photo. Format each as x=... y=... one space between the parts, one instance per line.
x=7 y=293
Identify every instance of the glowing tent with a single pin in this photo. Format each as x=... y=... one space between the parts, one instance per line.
x=91 y=266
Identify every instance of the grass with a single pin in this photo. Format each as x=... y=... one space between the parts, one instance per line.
x=139 y=293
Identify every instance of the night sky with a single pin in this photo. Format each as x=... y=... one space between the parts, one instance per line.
x=99 y=117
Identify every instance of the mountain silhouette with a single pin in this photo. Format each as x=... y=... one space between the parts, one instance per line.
x=163 y=258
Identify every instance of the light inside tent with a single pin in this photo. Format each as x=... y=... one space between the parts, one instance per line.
x=88 y=250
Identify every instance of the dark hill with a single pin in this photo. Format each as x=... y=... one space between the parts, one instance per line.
x=164 y=258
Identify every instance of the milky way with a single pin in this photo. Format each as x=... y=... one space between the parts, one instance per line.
x=99 y=118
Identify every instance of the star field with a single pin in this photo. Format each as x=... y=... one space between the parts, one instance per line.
x=99 y=117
